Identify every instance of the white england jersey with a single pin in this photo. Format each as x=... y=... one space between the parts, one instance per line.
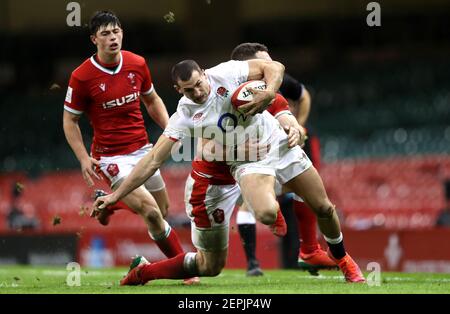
x=216 y=118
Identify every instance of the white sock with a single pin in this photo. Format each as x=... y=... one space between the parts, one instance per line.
x=245 y=218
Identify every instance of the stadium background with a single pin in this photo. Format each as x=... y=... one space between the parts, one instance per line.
x=380 y=104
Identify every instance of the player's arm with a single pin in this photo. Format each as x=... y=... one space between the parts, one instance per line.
x=75 y=139
x=156 y=108
x=298 y=97
x=272 y=73
x=279 y=108
x=143 y=170
x=304 y=107
x=296 y=133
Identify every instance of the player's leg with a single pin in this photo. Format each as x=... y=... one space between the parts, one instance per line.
x=246 y=223
x=112 y=171
x=258 y=193
x=209 y=260
x=182 y=266
x=309 y=185
x=310 y=251
x=156 y=186
x=311 y=256
x=143 y=203
x=209 y=236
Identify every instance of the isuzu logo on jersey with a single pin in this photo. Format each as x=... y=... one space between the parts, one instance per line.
x=120 y=101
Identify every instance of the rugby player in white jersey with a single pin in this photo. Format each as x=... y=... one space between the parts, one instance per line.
x=206 y=113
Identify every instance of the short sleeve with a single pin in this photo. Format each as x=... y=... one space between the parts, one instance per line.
x=177 y=128
x=279 y=106
x=233 y=70
x=75 y=101
x=147 y=84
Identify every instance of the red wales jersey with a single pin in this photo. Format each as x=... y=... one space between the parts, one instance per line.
x=218 y=173
x=110 y=98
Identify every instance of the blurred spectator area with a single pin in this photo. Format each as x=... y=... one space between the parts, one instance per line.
x=62 y=201
x=380 y=97
x=392 y=193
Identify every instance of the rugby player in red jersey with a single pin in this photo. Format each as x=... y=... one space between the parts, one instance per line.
x=108 y=88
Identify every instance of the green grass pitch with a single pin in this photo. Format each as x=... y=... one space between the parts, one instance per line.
x=27 y=279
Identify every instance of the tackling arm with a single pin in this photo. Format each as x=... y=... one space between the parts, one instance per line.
x=296 y=133
x=272 y=73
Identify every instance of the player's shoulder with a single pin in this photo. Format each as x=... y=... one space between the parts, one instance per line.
x=132 y=58
x=225 y=67
x=184 y=106
x=84 y=71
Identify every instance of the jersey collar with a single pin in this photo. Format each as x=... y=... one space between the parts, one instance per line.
x=102 y=68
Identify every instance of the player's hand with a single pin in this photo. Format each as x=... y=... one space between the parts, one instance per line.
x=87 y=170
x=295 y=136
x=102 y=202
x=261 y=100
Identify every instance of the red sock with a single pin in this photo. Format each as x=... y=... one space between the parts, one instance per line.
x=172 y=268
x=170 y=246
x=307 y=224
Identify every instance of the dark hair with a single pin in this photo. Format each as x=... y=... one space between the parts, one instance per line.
x=246 y=51
x=183 y=70
x=102 y=18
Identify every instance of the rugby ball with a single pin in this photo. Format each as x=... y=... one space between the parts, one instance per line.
x=242 y=95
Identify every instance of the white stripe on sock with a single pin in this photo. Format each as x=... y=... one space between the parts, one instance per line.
x=163 y=235
x=334 y=241
x=245 y=218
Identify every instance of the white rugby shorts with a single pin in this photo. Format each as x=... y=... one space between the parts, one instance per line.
x=210 y=207
x=116 y=168
x=281 y=162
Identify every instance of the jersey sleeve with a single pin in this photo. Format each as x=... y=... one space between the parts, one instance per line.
x=147 y=84
x=236 y=71
x=291 y=88
x=75 y=101
x=279 y=106
x=241 y=70
x=177 y=128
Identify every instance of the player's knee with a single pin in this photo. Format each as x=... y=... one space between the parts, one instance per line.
x=210 y=267
x=325 y=211
x=267 y=214
x=213 y=270
x=151 y=213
